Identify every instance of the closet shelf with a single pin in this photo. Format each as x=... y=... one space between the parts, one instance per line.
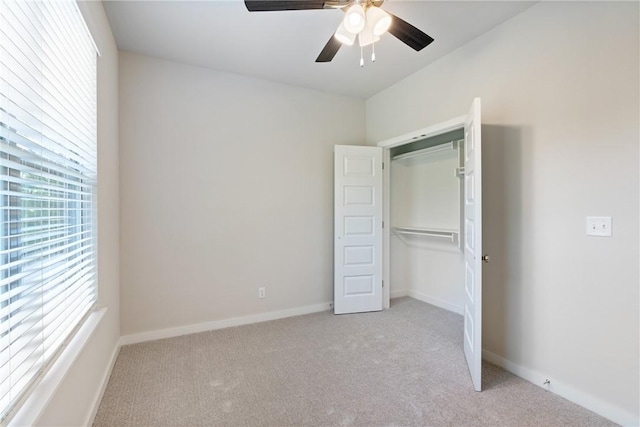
x=429 y=150
x=430 y=232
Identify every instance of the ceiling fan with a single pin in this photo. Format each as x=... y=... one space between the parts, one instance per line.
x=363 y=19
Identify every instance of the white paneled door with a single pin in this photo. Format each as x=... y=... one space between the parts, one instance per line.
x=473 y=244
x=358 y=229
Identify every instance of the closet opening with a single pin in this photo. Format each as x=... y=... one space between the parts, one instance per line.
x=426 y=217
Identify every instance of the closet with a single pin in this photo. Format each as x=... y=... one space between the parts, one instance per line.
x=426 y=190
x=408 y=221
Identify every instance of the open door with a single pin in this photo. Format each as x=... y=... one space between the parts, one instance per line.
x=358 y=229
x=473 y=243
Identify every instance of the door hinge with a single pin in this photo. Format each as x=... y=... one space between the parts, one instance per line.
x=383 y=283
x=382 y=165
x=382 y=224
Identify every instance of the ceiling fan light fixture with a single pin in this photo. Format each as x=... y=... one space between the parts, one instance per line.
x=354 y=20
x=366 y=37
x=344 y=36
x=378 y=20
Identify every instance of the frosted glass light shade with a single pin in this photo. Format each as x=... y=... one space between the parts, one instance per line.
x=366 y=37
x=344 y=36
x=354 y=21
x=378 y=20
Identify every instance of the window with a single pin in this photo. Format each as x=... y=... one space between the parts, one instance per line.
x=48 y=173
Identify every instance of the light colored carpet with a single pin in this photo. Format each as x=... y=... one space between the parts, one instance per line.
x=401 y=367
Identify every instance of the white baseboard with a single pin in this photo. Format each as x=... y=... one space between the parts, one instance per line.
x=437 y=302
x=579 y=397
x=105 y=380
x=220 y=324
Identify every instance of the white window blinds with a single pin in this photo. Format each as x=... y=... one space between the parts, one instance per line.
x=48 y=177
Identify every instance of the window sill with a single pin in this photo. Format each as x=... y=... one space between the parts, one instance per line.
x=37 y=400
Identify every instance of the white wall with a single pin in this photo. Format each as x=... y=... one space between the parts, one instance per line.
x=75 y=399
x=560 y=93
x=227 y=186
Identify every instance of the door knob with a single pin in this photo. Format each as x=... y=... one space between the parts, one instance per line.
x=485 y=258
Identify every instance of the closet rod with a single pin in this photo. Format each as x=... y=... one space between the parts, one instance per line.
x=426 y=232
x=430 y=150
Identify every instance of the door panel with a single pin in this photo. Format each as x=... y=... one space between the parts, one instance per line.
x=359 y=226
x=358 y=229
x=358 y=195
x=358 y=255
x=359 y=285
x=473 y=243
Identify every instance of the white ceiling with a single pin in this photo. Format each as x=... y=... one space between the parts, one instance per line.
x=282 y=46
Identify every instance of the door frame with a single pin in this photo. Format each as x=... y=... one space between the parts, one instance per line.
x=387 y=145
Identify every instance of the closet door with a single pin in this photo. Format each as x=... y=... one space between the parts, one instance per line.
x=473 y=243
x=358 y=229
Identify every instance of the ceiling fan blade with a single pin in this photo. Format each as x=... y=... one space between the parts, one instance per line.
x=329 y=50
x=408 y=34
x=274 y=5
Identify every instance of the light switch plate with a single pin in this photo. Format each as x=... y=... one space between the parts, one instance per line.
x=599 y=226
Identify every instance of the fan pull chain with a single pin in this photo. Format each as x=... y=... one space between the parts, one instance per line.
x=361 y=58
x=373 y=52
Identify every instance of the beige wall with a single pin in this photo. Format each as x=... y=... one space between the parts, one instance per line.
x=560 y=94
x=227 y=186
x=75 y=399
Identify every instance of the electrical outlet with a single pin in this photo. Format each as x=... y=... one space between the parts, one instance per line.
x=262 y=292
x=599 y=226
